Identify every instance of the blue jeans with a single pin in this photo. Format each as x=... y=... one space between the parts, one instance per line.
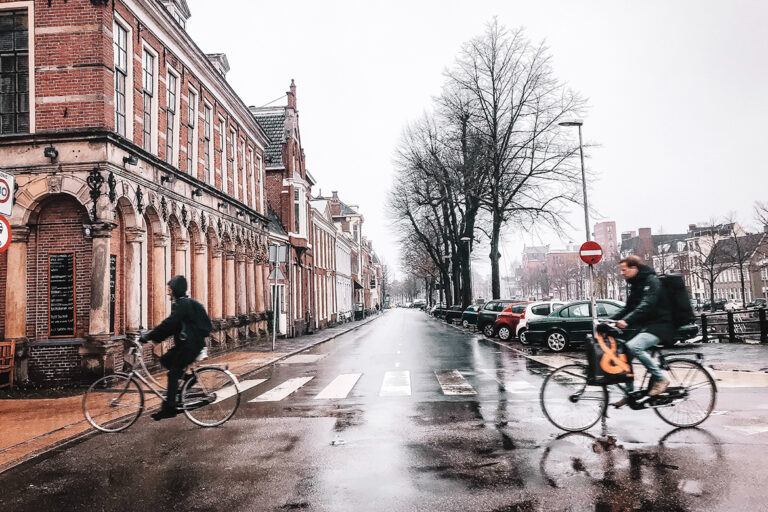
x=638 y=347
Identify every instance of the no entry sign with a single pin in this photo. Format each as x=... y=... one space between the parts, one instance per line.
x=591 y=253
x=5 y=234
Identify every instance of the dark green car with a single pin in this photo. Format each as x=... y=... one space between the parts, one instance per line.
x=573 y=322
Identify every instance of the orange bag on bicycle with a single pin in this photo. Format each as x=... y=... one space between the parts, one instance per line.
x=608 y=361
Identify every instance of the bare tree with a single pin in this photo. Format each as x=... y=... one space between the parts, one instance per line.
x=515 y=104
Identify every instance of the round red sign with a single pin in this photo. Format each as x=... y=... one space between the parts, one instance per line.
x=591 y=253
x=5 y=234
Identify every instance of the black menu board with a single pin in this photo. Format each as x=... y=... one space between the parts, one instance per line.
x=112 y=276
x=62 y=294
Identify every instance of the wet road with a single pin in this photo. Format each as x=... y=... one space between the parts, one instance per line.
x=408 y=413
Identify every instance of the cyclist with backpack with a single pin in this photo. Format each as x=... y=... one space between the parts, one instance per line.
x=647 y=310
x=189 y=324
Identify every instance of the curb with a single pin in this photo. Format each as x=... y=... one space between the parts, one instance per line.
x=36 y=455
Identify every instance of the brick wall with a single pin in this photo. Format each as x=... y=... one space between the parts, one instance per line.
x=59 y=228
x=54 y=364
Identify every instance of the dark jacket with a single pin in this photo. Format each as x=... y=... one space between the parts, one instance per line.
x=647 y=306
x=188 y=322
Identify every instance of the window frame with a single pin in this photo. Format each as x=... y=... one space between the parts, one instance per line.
x=149 y=137
x=17 y=8
x=172 y=132
x=117 y=25
x=192 y=113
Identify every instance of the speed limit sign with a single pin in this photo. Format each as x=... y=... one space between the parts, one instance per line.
x=6 y=193
x=5 y=234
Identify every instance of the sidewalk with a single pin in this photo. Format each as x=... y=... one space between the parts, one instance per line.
x=32 y=427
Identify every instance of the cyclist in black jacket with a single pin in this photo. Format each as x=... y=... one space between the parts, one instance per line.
x=647 y=310
x=189 y=324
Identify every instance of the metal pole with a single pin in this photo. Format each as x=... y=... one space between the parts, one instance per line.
x=593 y=305
x=275 y=302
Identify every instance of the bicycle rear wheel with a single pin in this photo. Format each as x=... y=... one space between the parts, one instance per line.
x=113 y=403
x=569 y=402
x=210 y=397
x=699 y=397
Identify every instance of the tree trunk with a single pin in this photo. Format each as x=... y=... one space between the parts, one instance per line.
x=495 y=257
x=743 y=286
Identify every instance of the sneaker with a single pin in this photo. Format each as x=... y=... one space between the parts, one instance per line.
x=621 y=403
x=659 y=387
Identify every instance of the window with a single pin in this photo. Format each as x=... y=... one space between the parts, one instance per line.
x=261 y=183
x=170 y=119
x=191 y=114
x=251 y=179
x=148 y=94
x=121 y=77
x=207 y=142
x=221 y=153
x=296 y=211
x=605 y=309
x=541 y=309
x=14 y=72
x=231 y=160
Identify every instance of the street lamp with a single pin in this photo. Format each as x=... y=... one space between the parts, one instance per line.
x=467 y=240
x=578 y=123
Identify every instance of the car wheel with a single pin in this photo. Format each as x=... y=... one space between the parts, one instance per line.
x=504 y=333
x=557 y=341
x=522 y=336
x=488 y=330
x=465 y=324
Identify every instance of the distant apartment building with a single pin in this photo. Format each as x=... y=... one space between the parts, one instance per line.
x=605 y=235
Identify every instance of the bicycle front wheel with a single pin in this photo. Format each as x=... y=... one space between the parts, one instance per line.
x=569 y=402
x=210 y=397
x=113 y=403
x=699 y=393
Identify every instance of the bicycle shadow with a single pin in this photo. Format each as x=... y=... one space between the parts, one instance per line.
x=684 y=468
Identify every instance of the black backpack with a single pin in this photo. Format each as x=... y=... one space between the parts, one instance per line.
x=678 y=299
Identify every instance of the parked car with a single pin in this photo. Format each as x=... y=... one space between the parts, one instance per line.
x=453 y=313
x=469 y=316
x=435 y=310
x=733 y=305
x=719 y=305
x=506 y=323
x=419 y=303
x=572 y=323
x=760 y=302
x=486 y=317
x=539 y=309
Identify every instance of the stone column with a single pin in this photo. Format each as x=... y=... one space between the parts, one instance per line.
x=250 y=281
x=159 y=278
x=217 y=285
x=200 y=280
x=134 y=237
x=180 y=259
x=229 y=284
x=259 y=288
x=240 y=284
x=96 y=354
x=16 y=300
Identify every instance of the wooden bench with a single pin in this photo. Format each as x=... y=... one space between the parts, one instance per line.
x=7 y=350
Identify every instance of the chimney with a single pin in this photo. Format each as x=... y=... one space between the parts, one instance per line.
x=691 y=227
x=335 y=195
x=292 y=95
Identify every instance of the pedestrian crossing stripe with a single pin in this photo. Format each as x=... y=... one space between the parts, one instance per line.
x=283 y=390
x=452 y=382
x=231 y=391
x=339 y=387
x=396 y=384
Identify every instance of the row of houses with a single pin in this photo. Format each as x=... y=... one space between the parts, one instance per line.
x=135 y=160
x=716 y=261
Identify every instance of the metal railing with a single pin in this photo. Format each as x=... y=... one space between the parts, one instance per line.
x=742 y=326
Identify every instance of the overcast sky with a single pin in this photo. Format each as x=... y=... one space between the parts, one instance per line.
x=678 y=94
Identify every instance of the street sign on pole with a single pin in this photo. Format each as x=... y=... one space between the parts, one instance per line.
x=7 y=182
x=277 y=253
x=5 y=234
x=591 y=253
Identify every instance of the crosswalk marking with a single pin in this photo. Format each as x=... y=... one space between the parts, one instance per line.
x=396 y=384
x=283 y=390
x=453 y=382
x=230 y=391
x=339 y=387
x=303 y=359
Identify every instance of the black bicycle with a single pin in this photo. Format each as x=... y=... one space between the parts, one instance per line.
x=572 y=401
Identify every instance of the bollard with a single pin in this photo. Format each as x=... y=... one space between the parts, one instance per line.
x=763 y=326
x=731 y=333
x=704 y=328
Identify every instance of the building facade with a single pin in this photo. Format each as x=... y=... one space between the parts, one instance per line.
x=135 y=161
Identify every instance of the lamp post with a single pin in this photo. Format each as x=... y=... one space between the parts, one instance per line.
x=578 y=123
x=468 y=284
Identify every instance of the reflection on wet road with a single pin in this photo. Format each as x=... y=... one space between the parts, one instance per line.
x=407 y=413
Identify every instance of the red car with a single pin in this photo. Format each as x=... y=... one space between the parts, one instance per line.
x=506 y=323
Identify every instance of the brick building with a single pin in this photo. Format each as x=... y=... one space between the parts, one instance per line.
x=135 y=161
x=605 y=235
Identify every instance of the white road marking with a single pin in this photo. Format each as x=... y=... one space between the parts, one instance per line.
x=453 y=382
x=230 y=391
x=283 y=390
x=396 y=384
x=749 y=430
x=339 y=387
